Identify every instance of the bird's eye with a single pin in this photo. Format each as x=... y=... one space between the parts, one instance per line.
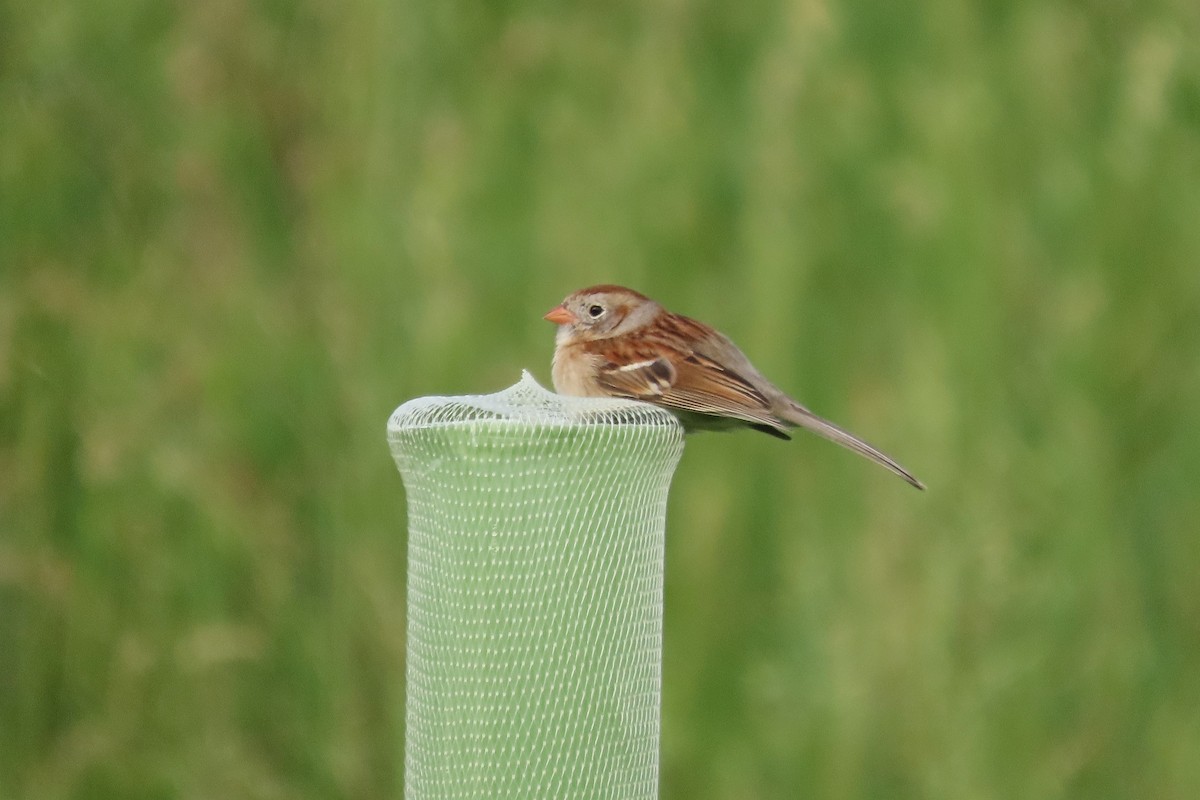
x=594 y=311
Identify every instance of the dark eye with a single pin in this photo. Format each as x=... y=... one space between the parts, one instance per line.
x=594 y=311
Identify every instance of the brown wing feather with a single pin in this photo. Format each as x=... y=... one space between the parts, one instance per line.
x=687 y=380
x=642 y=380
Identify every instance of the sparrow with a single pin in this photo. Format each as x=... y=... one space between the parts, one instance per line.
x=615 y=342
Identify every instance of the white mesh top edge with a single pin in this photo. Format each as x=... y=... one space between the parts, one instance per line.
x=526 y=402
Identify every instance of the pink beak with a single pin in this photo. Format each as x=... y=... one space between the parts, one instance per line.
x=559 y=316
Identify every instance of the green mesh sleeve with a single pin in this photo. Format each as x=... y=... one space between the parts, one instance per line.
x=535 y=582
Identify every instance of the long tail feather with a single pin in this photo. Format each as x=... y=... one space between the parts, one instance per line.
x=802 y=417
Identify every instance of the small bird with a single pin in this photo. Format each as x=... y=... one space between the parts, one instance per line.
x=615 y=342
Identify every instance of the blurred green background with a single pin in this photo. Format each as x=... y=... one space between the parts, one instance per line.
x=235 y=235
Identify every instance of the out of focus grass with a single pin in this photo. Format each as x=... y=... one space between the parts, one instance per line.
x=234 y=236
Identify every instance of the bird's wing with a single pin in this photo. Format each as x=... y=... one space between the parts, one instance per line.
x=690 y=382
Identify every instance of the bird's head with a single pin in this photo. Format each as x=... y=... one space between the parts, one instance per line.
x=601 y=312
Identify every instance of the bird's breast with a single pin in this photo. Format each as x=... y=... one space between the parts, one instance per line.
x=574 y=372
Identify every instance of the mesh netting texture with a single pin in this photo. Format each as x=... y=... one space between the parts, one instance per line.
x=535 y=552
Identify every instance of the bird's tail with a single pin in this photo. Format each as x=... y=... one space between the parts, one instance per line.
x=801 y=417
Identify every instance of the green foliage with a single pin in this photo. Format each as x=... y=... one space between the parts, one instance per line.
x=235 y=236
